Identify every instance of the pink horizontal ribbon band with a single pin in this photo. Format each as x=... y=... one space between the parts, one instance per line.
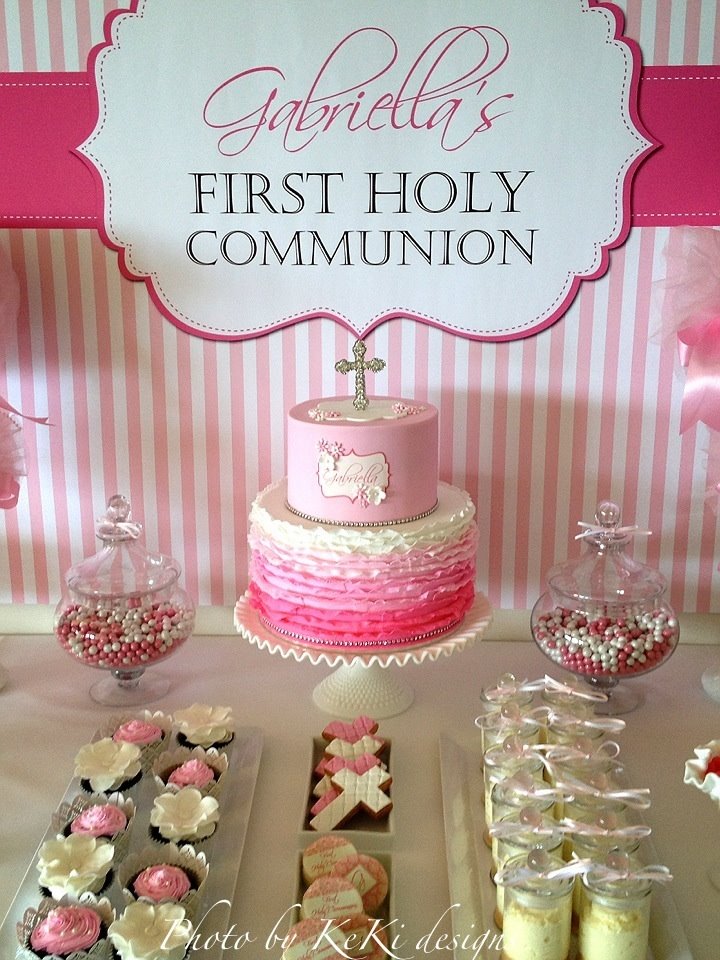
x=680 y=109
x=43 y=182
x=46 y=183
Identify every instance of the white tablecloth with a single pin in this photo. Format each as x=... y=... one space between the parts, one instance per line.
x=46 y=714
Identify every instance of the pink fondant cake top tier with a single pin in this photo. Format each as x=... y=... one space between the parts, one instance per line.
x=365 y=467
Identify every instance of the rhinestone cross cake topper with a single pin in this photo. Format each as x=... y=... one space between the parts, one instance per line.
x=360 y=365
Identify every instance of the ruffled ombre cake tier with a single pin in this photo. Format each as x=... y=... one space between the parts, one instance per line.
x=358 y=587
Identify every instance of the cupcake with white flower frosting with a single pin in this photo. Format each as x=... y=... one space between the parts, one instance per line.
x=106 y=765
x=183 y=817
x=74 y=865
x=201 y=725
x=151 y=931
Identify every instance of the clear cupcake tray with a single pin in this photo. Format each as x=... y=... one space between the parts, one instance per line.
x=469 y=864
x=223 y=849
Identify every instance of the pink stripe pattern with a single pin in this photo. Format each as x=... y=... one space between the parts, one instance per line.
x=537 y=431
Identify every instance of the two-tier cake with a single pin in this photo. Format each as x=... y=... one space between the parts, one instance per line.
x=360 y=546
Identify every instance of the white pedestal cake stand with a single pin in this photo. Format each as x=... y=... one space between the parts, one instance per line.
x=362 y=682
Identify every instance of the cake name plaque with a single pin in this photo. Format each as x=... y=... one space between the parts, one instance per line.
x=427 y=167
x=353 y=476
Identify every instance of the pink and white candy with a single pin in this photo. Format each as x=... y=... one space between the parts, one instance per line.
x=123 y=639
x=606 y=646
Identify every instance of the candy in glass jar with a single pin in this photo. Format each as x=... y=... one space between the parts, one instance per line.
x=123 y=611
x=605 y=616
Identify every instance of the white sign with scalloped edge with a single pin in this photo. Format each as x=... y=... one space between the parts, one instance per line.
x=467 y=164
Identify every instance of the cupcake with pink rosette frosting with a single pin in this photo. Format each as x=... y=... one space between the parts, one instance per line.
x=62 y=929
x=203 y=769
x=97 y=815
x=149 y=731
x=170 y=874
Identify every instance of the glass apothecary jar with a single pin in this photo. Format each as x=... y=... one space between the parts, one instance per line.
x=123 y=610
x=605 y=616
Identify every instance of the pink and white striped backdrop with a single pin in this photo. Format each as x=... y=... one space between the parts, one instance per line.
x=537 y=430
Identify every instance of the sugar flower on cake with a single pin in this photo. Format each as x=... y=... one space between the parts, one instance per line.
x=71 y=866
x=401 y=409
x=703 y=772
x=370 y=494
x=329 y=452
x=205 y=726
x=319 y=415
x=151 y=931
x=107 y=763
x=185 y=815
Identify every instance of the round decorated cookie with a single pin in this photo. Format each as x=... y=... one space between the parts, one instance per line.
x=320 y=857
x=330 y=897
x=367 y=875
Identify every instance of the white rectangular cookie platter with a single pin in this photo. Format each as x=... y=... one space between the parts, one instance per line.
x=469 y=863
x=223 y=849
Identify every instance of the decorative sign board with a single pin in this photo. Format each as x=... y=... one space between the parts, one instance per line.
x=466 y=164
